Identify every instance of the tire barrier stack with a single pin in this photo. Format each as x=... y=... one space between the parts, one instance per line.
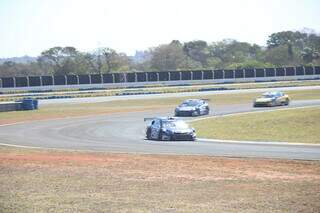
x=29 y=104
x=24 y=104
x=164 y=77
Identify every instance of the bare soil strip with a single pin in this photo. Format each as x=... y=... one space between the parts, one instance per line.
x=52 y=181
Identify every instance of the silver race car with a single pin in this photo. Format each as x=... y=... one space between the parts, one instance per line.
x=169 y=128
x=192 y=107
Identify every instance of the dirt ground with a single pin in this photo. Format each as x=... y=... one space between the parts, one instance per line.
x=59 y=181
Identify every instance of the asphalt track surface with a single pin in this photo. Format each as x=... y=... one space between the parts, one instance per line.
x=125 y=133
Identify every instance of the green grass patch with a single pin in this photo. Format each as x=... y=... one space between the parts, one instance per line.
x=291 y=125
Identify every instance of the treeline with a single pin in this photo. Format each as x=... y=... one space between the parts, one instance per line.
x=287 y=48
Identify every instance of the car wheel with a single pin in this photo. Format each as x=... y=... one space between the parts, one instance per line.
x=287 y=102
x=196 y=113
x=148 y=134
x=207 y=111
x=160 y=136
x=164 y=138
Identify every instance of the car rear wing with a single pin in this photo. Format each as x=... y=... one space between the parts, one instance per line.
x=148 y=119
x=152 y=118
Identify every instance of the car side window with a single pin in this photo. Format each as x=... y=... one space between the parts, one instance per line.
x=152 y=123
x=156 y=123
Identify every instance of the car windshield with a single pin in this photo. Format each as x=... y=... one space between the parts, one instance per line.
x=190 y=103
x=175 y=124
x=271 y=95
x=268 y=95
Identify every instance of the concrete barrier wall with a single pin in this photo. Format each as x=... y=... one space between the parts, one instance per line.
x=114 y=80
x=10 y=106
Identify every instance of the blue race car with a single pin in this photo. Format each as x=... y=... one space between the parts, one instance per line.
x=169 y=128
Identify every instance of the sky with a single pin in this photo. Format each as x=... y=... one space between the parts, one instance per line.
x=28 y=27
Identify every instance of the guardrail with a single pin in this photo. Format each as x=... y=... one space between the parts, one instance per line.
x=112 y=80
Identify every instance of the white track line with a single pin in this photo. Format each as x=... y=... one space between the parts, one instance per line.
x=11 y=124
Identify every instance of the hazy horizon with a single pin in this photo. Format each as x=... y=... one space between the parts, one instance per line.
x=28 y=28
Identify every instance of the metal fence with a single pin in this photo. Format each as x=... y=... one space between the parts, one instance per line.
x=137 y=77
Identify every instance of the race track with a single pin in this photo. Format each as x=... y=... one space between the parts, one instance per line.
x=124 y=133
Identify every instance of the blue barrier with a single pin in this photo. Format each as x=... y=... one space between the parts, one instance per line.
x=35 y=103
x=27 y=104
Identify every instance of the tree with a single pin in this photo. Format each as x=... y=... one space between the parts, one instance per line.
x=60 y=58
x=303 y=45
x=109 y=57
x=313 y=42
x=279 y=56
x=308 y=55
x=198 y=51
x=8 y=69
x=93 y=61
x=288 y=38
x=167 y=56
x=115 y=61
x=285 y=38
x=141 y=61
x=226 y=52
x=249 y=64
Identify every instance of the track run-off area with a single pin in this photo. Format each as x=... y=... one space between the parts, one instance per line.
x=125 y=132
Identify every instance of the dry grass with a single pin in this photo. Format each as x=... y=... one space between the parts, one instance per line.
x=43 y=181
x=292 y=125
